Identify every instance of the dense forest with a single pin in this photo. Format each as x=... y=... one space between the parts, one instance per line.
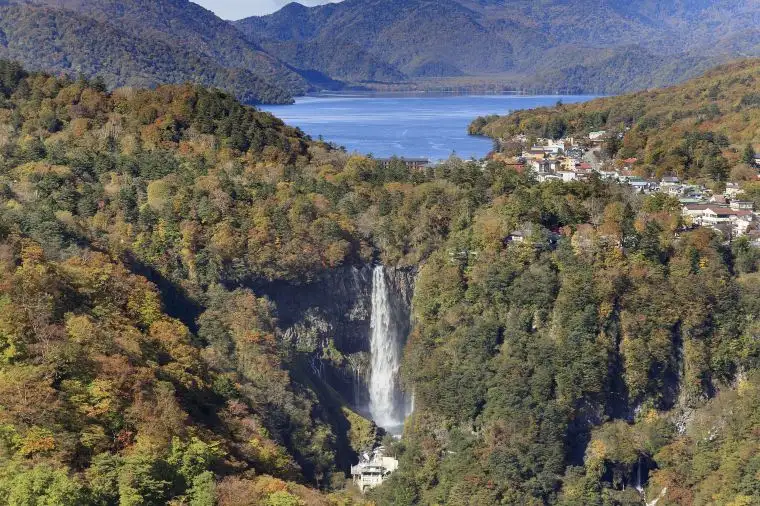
x=106 y=398
x=133 y=223
x=573 y=343
x=701 y=129
x=608 y=357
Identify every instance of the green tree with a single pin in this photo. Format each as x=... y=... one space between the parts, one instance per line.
x=748 y=155
x=41 y=485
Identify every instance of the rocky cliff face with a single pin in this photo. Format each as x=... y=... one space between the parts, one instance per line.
x=329 y=319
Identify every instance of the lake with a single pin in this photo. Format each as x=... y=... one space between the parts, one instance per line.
x=420 y=125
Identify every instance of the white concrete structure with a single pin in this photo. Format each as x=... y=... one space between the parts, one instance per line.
x=742 y=205
x=695 y=212
x=373 y=469
x=567 y=176
x=732 y=190
x=742 y=224
x=716 y=215
x=735 y=221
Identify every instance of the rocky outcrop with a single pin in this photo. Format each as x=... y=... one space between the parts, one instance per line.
x=329 y=320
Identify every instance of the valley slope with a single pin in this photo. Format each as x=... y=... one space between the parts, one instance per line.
x=170 y=258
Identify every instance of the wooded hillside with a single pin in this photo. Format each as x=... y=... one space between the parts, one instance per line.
x=699 y=129
x=569 y=337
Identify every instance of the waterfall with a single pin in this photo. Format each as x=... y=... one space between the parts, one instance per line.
x=386 y=399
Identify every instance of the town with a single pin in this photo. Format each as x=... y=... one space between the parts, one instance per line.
x=573 y=159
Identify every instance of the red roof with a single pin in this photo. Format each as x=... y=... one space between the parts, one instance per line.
x=630 y=161
x=725 y=211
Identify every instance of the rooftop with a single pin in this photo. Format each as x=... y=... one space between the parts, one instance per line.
x=403 y=159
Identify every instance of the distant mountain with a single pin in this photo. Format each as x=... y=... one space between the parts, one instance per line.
x=143 y=42
x=576 y=45
x=269 y=6
x=599 y=46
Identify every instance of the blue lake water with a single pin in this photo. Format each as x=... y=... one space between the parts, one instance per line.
x=429 y=126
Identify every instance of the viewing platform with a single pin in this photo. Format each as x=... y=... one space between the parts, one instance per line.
x=372 y=470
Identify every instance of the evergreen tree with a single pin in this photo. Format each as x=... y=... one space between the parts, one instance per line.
x=748 y=156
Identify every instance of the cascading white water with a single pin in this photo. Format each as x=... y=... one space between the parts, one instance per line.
x=638 y=486
x=385 y=358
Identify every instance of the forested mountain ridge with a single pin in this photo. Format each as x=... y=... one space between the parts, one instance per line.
x=208 y=198
x=574 y=46
x=580 y=46
x=184 y=23
x=606 y=345
x=575 y=365
x=107 y=399
x=696 y=130
x=143 y=44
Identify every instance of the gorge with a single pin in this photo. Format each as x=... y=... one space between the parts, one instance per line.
x=355 y=335
x=574 y=343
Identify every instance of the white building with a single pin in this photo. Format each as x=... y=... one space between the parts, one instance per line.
x=742 y=224
x=717 y=215
x=695 y=212
x=732 y=190
x=742 y=205
x=675 y=190
x=373 y=469
x=567 y=176
x=735 y=221
x=608 y=174
x=542 y=177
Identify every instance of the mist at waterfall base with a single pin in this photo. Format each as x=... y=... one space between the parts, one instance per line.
x=388 y=404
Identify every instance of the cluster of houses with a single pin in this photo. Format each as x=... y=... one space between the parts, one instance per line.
x=566 y=160
x=571 y=159
x=726 y=213
x=556 y=160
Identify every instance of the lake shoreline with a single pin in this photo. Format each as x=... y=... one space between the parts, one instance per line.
x=411 y=125
x=432 y=94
